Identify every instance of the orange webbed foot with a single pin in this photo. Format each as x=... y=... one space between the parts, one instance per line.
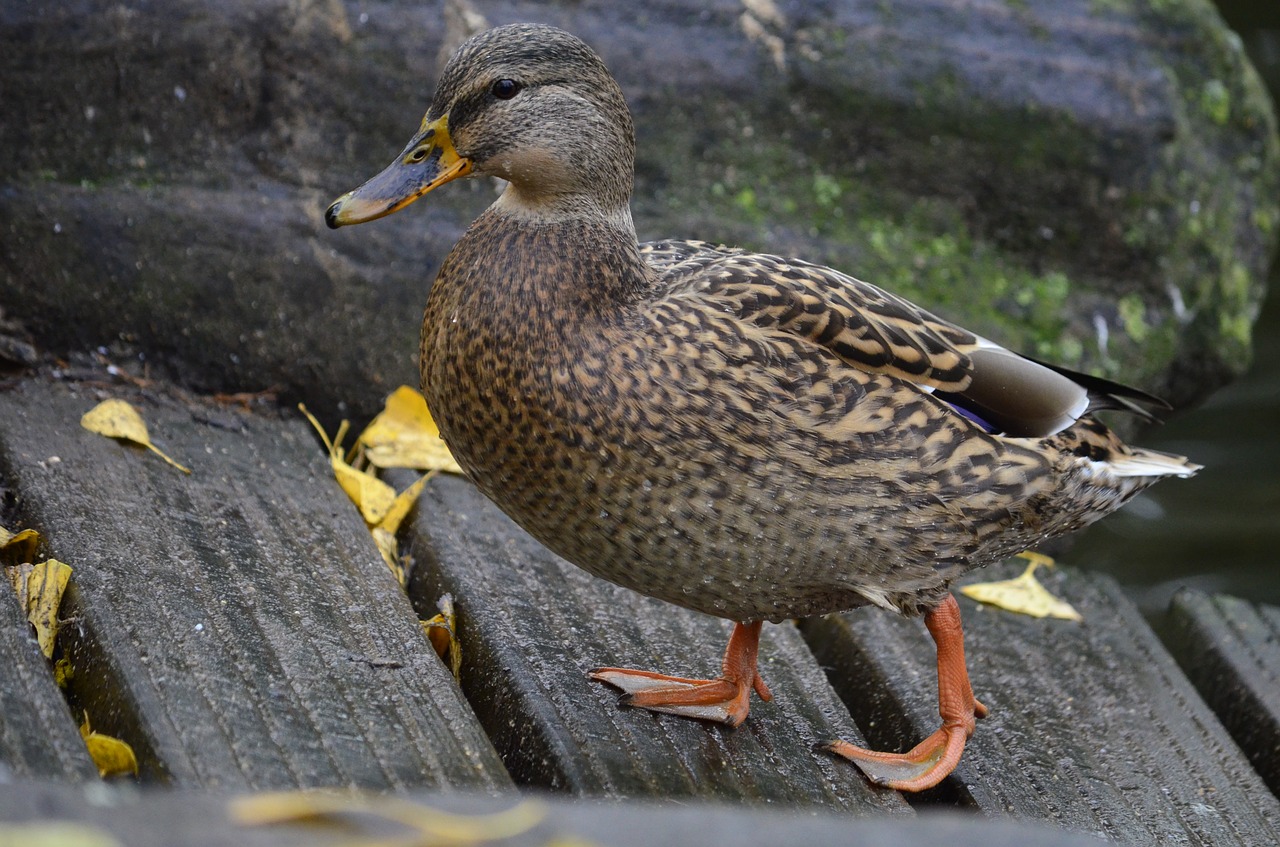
x=724 y=700
x=933 y=759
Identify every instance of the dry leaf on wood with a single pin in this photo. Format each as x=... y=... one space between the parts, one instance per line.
x=404 y=435
x=1024 y=594
x=117 y=419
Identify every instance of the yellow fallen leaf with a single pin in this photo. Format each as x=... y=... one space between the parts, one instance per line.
x=435 y=826
x=404 y=435
x=18 y=546
x=373 y=497
x=54 y=834
x=41 y=595
x=117 y=419
x=390 y=550
x=384 y=534
x=112 y=756
x=403 y=504
x=442 y=632
x=1023 y=594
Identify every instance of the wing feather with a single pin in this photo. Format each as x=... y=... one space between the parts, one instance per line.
x=859 y=323
x=878 y=332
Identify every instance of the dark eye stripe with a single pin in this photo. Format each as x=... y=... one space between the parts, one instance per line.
x=465 y=109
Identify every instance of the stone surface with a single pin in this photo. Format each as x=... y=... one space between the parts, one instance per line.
x=1092 y=182
x=236 y=626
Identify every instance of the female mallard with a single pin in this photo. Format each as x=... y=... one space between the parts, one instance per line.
x=749 y=436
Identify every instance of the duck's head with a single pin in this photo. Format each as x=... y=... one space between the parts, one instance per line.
x=531 y=104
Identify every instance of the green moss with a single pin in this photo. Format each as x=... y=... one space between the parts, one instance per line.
x=1215 y=100
x=1133 y=317
x=1217 y=192
x=745 y=200
x=827 y=193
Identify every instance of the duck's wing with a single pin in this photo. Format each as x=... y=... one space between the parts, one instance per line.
x=874 y=331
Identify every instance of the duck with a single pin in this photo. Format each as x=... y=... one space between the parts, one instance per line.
x=750 y=436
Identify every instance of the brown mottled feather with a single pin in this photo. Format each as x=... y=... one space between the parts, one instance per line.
x=862 y=325
x=749 y=436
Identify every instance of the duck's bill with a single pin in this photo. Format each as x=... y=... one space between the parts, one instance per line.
x=427 y=163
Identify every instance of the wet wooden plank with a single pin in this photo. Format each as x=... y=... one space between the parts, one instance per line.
x=38 y=739
x=162 y=819
x=1092 y=725
x=532 y=626
x=1230 y=650
x=236 y=626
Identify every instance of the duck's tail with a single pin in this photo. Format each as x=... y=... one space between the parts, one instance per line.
x=1137 y=461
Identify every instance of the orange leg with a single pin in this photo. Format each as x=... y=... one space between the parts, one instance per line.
x=725 y=700
x=929 y=762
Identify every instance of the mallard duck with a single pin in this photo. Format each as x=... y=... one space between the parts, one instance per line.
x=746 y=435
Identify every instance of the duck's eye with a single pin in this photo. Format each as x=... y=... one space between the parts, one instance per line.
x=505 y=89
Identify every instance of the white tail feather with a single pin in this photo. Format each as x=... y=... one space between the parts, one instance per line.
x=1151 y=463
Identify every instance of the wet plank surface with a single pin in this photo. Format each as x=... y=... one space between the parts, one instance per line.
x=532 y=626
x=236 y=626
x=38 y=739
x=1092 y=724
x=1230 y=650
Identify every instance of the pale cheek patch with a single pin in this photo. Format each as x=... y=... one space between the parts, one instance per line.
x=537 y=171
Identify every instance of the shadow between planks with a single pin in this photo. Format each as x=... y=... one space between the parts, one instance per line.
x=1230 y=650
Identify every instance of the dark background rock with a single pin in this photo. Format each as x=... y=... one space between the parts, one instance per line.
x=1094 y=183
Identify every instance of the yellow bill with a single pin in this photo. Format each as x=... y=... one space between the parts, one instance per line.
x=428 y=162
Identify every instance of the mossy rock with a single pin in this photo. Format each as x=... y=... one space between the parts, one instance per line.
x=1095 y=182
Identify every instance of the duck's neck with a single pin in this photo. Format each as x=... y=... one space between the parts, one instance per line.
x=551 y=269
x=611 y=208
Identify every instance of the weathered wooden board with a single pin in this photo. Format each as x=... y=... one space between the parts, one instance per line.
x=532 y=626
x=38 y=739
x=193 y=819
x=1092 y=725
x=236 y=626
x=1230 y=650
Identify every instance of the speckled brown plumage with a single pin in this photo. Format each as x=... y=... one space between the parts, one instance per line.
x=689 y=431
x=745 y=435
